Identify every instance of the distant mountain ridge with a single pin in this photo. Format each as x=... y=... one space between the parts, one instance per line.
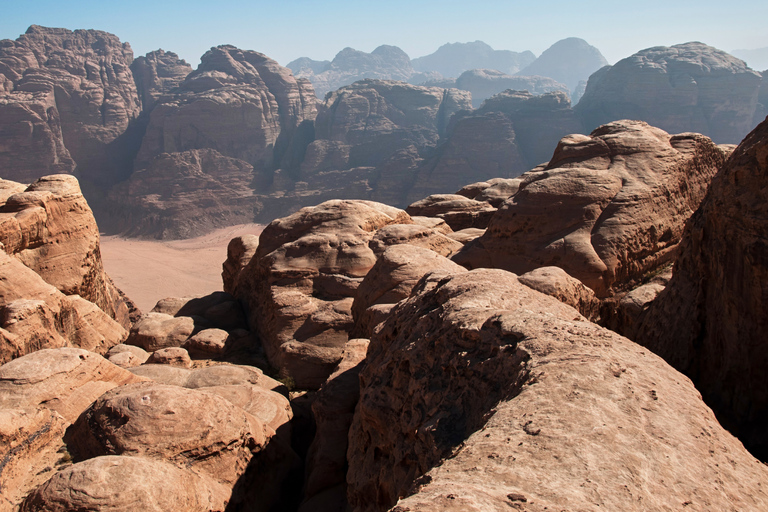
x=452 y=59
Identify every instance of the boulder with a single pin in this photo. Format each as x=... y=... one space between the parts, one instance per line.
x=127 y=356
x=555 y=282
x=710 y=321
x=687 y=87
x=207 y=344
x=391 y=280
x=124 y=484
x=413 y=234
x=299 y=287
x=608 y=208
x=174 y=356
x=457 y=211
x=65 y=380
x=480 y=393
x=190 y=428
x=158 y=330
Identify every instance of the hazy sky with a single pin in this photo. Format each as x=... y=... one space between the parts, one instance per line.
x=287 y=29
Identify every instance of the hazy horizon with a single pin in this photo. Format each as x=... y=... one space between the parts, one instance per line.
x=300 y=28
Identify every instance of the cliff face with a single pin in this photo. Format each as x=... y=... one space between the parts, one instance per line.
x=158 y=73
x=687 y=87
x=81 y=92
x=710 y=322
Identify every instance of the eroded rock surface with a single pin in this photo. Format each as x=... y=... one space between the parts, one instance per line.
x=607 y=209
x=299 y=287
x=505 y=397
x=710 y=322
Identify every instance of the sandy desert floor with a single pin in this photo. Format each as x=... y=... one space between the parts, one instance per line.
x=149 y=270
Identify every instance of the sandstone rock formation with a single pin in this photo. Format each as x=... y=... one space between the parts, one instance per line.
x=688 y=87
x=457 y=211
x=452 y=59
x=299 y=287
x=123 y=484
x=484 y=83
x=555 y=282
x=391 y=280
x=349 y=65
x=481 y=394
x=155 y=331
x=80 y=93
x=710 y=321
x=50 y=229
x=618 y=198
x=511 y=133
x=157 y=73
x=570 y=61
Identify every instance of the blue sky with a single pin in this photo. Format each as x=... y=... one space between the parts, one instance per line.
x=287 y=29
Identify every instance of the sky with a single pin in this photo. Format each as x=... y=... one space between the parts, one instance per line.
x=287 y=29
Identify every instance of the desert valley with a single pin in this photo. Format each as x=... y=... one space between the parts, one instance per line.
x=476 y=280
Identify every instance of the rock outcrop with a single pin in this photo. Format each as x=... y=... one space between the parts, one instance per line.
x=481 y=394
x=299 y=287
x=157 y=73
x=452 y=59
x=484 y=83
x=688 y=87
x=570 y=61
x=618 y=201
x=710 y=321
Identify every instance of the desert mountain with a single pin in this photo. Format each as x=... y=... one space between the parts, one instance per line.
x=569 y=61
x=678 y=88
x=452 y=59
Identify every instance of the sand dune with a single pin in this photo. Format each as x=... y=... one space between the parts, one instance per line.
x=149 y=270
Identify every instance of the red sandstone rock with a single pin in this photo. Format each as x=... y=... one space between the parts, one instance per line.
x=504 y=397
x=158 y=330
x=711 y=322
x=174 y=356
x=299 y=286
x=607 y=209
x=555 y=282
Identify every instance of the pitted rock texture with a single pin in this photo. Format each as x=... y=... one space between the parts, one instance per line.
x=507 y=398
x=50 y=228
x=710 y=321
x=688 y=87
x=299 y=286
x=607 y=209
x=81 y=95
x=125 y=484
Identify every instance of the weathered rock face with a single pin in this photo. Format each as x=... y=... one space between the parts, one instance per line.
x=452 y=59
x=123 y=484
x=299 y=287
x=511 y=133
x=350 y=65
x=710 y=322
x=80 y=93
x=241 y=102
x=618 y=198
x=371 y=120
x=555 y=282
x=688 y=87
x=158 y=73
x=50 y=228
x=240 y=250
x=457 y=211
x=484 y=83
x=180 y=195
x=570 y=61
x=513 y=396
